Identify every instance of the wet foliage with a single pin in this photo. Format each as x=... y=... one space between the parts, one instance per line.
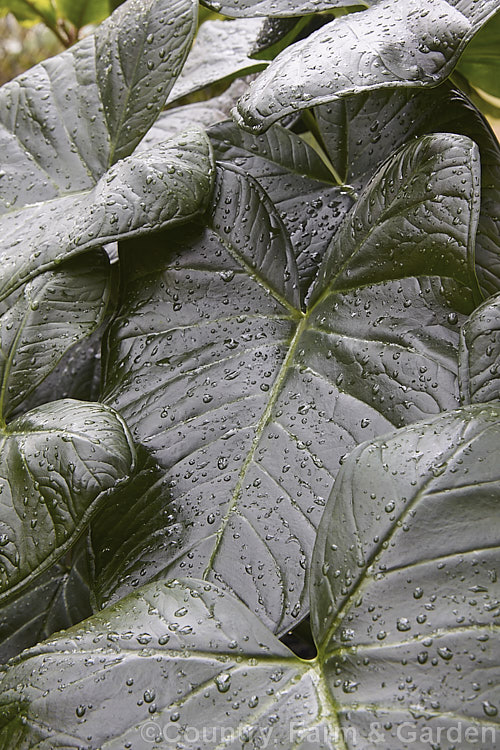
x=249 y=381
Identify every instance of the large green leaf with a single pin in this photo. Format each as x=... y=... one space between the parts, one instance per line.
x=58 y=462
x=247 y=402
x=360 y=132
x=221 y=51
x=44 y=320
x=300 y=185
x=63 y=123
x=142 y=193
x=183 y=663
x=395 y=43
x=56 y=600
x=479 y=359
x=405 y=587
x=278 y=8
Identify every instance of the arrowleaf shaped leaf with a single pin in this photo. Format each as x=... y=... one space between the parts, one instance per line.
x=404 y=595
x=45 y=319
x=63 y=123
x=143 y=193
x=247 y=402
x=58 y=463
x=479 y=358
x=392 y=44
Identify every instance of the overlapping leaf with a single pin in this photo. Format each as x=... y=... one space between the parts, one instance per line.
x=360 y=132
x=277 y=8
x=222 y=50
x=39 y=324
x=247 y=402
x=405 y=591
x=479 y=360
x=145 y=192
x=57 y=463
x=55 y=600
x=66 y=121
x=300 y=185
x=392 y=44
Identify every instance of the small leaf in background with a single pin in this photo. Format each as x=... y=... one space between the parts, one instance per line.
x=83 y=12
x=30 y=11
x=57 y=465
x=247 y=402
x=392 y=44
x=44 y=320
x=405 y=585
x=479 y=357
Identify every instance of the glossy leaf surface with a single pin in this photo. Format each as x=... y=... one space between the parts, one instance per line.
x=56 y=600
x=392 y=44
x=404 y=595
x=63 y=123
x=57 y=463
x=221 y=51
x=140 y=194
x=480 y=354
x=360 y=132
x=247 y=402
x=46 y=318
x=300 y=185
x=276 y=8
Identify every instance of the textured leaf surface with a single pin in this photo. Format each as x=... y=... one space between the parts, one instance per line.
x=51 y=313
x=140 y=194
x=310 y=203
x=206 y=113
x=392 y=44
x=57 y=463
x=278 y=8
x=221 y=50
x=247 y=402
x=65 y=121
x=480 y=354
x=55 y=600
x=405 y=591
x=360 y=132
x=173 y=655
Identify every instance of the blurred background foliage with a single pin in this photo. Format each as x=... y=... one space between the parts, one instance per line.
x=32 y=30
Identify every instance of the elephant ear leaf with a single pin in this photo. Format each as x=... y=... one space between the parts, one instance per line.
x=58 y=463
x=392 y=44
x=247 y=397
x=405 y=591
